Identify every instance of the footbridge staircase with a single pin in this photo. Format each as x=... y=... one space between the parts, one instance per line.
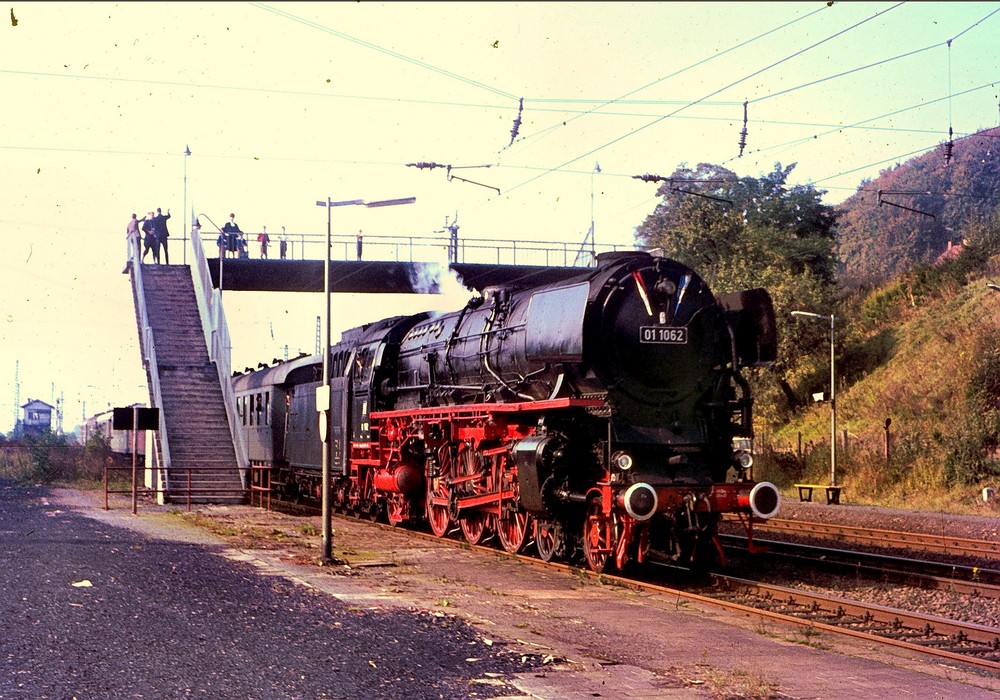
x=197 y=455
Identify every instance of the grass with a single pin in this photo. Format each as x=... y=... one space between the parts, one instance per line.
x=740 y=684
x=930 y=368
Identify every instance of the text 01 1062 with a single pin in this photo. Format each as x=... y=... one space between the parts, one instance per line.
x=663 y=334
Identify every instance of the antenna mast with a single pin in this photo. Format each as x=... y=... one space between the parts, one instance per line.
x=17 y=389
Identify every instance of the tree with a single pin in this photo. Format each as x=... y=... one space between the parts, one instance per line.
x=740 y=233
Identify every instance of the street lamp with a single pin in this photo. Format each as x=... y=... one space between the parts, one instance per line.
x=187 y=152
x=593 y=227
x=323 y=398
x=833 y=393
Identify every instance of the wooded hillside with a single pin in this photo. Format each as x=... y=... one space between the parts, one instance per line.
x=910 y=212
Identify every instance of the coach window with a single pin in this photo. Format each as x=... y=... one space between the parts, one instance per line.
x=258 y=408
x=267 y=408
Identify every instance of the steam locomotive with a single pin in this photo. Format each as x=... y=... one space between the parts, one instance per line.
x=604 y=413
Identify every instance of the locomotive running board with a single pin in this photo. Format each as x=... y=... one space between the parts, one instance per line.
x=480 y=409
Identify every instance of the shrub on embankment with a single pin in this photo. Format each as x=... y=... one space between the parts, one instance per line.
x=921 y=352
x=51 y=459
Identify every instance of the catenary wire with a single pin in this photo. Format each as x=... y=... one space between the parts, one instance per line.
x=671 y=75
x=382 y=49
x=711 y=94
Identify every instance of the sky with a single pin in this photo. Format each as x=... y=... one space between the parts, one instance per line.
x=285 y=104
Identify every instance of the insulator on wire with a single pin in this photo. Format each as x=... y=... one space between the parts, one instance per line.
x=743 y=134
x=422 y=165
x=948 y=148
x=517 y=123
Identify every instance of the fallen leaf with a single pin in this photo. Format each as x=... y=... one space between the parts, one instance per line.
x=83 y=584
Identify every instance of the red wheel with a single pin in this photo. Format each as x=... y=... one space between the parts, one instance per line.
x=437 y=515
x=549 y=539
x=512 y=521
x=512 y=528
x=439 y=489
x=474 y=526
x=468 y=468
x=599 y=537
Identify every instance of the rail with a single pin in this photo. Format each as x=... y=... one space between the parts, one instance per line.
x=213 y=321
x=161 y=456
x=400 y=248
x=189 y=491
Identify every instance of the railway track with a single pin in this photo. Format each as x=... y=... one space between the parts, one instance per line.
x=949 y=640
x=932 y=575
x=886 y=539
x=955 y=641
x=942 y=638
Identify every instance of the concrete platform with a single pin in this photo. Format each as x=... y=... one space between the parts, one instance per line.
x=602 y=641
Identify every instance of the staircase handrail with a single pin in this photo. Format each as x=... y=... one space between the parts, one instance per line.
x=213 y=321
x=148 y=348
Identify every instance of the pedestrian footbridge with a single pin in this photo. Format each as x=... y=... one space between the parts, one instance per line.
x=198 y=454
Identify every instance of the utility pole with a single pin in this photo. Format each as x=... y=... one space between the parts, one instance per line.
x=17 y=389
x=323 y=394
x=593 y=227
x=184 y=214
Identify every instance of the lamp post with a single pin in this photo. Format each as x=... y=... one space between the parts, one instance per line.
x=323 y=398
x=593 y=227
x=833 y=393
x=187 y=152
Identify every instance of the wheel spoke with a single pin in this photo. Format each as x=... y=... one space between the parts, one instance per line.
x=599 y=537
x=549 y=539
x=512 y=529
x=474 y=527
x=438 y=488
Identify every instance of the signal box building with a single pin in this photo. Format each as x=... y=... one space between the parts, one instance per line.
x=36 y=417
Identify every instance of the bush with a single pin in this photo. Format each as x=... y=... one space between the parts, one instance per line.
x=49 y=458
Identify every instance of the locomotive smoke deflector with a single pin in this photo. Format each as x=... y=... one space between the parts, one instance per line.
x=751 y=316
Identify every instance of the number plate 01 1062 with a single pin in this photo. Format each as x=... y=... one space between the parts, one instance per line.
x=663 y=334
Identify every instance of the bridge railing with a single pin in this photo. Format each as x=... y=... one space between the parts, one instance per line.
x=213 y=321
x=309 y=246
x=149 y=357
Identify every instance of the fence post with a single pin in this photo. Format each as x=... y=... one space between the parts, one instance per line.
x=886 y=442
x=135 y=463
x=802 y=462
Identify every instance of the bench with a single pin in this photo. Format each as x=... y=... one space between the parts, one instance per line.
x=832 y=492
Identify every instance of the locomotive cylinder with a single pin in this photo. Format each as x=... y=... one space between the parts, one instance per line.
x=405 y=479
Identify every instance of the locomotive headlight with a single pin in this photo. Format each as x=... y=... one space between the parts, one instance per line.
x=622 y=460
x=743 y=460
